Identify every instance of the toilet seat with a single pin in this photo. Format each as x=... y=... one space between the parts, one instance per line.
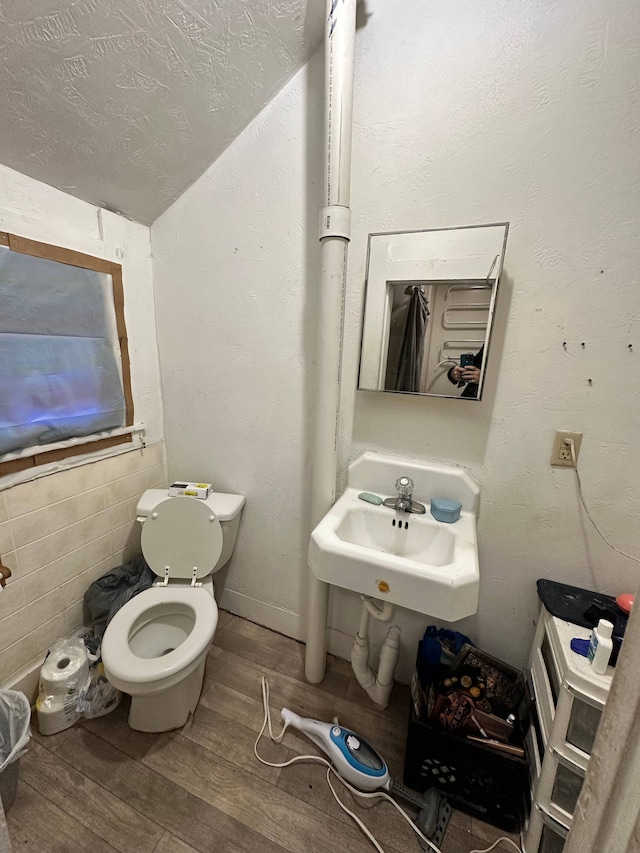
x=182 y=538
x=124 y=667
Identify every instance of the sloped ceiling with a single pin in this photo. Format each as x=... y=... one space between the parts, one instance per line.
x=124 y=103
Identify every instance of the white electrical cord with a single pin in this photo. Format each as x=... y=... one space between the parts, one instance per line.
x=330 y=769
x=266 y=723
x=495 y=844
x=570 y=442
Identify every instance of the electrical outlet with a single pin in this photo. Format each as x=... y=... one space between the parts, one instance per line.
x=561 y=453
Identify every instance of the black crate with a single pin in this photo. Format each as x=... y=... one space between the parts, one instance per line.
x=474 y=778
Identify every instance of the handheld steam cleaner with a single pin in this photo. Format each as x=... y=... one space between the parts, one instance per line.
x=353 y=758
x=357 y=762
x=362 y=770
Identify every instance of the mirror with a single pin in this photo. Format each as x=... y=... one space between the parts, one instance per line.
x=429 y=303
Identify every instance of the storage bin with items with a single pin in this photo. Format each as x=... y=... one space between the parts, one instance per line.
x=464 y=735
x=567 y=701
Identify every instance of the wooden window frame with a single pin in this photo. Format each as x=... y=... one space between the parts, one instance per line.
x=89 y=262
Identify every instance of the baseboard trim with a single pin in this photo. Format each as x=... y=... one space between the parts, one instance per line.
x=268 y=615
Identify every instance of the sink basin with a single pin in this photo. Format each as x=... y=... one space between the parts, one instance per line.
x=407 y=559
x=412 y=537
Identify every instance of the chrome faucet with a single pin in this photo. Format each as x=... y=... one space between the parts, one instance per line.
x=404 y=502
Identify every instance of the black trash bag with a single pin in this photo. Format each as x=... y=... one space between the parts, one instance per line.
x=109 y=593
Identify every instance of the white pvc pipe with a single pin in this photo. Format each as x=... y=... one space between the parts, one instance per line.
x=387 y=664
x=379 y=686
x=334 y=235
x=339 y=46
x=381 y=613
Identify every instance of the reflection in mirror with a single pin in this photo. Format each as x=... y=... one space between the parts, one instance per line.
x=429 y=303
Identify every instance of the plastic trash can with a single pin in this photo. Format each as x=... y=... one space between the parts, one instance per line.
x=15 y=717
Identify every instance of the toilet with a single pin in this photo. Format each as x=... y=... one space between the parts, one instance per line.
x=155 y=646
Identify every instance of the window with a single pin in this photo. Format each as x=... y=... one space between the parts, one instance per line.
x=64 y=361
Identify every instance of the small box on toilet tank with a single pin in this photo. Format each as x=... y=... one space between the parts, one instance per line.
x=194 y=490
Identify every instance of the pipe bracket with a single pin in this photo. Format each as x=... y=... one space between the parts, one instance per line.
x=335 y=221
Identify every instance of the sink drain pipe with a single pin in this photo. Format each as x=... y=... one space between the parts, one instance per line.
x=335 y=232
x=377 y=686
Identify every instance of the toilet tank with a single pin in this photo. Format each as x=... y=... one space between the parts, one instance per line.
x=227 y=509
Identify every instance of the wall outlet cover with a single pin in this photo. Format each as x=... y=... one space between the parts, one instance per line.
x=561 y=453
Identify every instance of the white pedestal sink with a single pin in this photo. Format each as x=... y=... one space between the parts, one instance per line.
x=408 y=559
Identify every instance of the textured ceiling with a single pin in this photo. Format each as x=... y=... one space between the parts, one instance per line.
x=124 y=103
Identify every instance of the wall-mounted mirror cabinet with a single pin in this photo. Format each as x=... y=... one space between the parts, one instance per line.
x=429 y=304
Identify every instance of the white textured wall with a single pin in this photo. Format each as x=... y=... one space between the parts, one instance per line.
x=235 y=271
x=60 y=532
x=467 y=113
x=125 y=103
x=525 y=112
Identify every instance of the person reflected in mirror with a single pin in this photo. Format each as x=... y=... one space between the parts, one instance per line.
x=469 y=375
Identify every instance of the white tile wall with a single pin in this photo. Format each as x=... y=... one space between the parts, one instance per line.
x=57 y=535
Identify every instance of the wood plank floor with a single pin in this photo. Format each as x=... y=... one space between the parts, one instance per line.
x=100 y=787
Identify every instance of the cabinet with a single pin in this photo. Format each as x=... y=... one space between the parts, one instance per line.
x=568 y=699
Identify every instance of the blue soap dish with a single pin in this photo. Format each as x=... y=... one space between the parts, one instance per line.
x=443 y=509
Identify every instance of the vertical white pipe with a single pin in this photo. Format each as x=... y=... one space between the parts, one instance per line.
x=340 y=26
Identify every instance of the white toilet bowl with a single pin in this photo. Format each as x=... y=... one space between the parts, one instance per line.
x=155 y=646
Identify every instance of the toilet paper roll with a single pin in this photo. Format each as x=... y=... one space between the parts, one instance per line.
x=65 y=670
x=63 y=677
x=55 y=714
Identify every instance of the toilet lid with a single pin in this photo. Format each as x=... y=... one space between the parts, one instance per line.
x=181 y=533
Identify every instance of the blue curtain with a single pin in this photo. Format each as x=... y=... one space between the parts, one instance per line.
x=59 y=375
